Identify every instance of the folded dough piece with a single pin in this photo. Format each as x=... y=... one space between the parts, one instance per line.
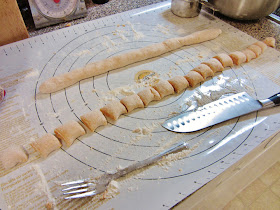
x=249 y=54
x=12 y=156
x=194 y=78
x=99 y=67
x=269 y=41
x=94 y=119
x=204 y=71
x=69 y=131
x=262 y=45
x=214 y=64
x=256 y=49
x=238 y=57
x=46 y=144
x=132 y=102
x=224 y=59
x=164 y=88
x=148 y=94
x=179 y=83
x=113 y=110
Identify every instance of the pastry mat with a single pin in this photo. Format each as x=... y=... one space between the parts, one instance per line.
x=26 y=114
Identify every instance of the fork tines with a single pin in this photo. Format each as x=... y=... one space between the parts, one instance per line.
x=79 y=187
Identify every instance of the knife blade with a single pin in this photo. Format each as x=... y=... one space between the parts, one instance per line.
x=218 y=111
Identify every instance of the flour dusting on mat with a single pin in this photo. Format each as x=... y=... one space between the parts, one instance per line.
x=137 y=35
x=163 y=29
x=44 y=186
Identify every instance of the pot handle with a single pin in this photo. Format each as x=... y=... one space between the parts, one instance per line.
x=209 y=5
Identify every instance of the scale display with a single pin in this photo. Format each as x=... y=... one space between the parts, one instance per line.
x=46 y=12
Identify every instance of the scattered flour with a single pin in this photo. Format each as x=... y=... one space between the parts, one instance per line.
x=45 y=187
x=163 y=29
x=137 y=35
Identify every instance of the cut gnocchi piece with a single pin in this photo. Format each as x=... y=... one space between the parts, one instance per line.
x=12 y=156
x=164 y=88
x=214 y=64
x=148 y=94
x=238 y=57
x=256 y=49
x=132 y=102
x=94 y=119
x=113 y=110
x=262 y=45
x=269 y=41
x=46 y=144
x=179 y=83
x=194 y=78
x=69 y=131
x=224 y=59
x=204 y=70
x=249 y=55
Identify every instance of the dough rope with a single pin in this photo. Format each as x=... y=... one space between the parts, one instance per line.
x=99 y=67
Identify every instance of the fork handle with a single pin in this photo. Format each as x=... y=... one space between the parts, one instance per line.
x=176 y=148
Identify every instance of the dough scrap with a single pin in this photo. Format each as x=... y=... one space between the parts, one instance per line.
x=94 y=119
x=164 y=88
x=224 y=59
x=148 y=94
x=46 y=144
x=69 y=131
x=179 y=83
x=113 y=110
x=238 y=57
x=256 y=49
x=132 y=102
x=269 y=41
x=99 y=67
x=262 y=45
x=214 y=64
x=204 y=71
x=194 y=78
x=249 y=54
x=12 y=156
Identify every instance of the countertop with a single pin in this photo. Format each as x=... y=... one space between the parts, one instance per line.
x=258 y=29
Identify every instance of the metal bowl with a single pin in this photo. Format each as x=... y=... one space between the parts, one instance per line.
x=245 y=9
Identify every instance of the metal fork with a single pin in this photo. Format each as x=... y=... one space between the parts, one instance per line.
x=90 y=187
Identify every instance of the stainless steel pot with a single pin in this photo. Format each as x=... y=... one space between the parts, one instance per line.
x=245 y=9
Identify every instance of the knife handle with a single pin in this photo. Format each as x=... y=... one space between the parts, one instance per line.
x=275 y=99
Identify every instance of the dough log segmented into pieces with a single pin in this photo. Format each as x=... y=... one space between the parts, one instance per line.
x=204 y=71
x=148 y=95
x=262 y=45
x=113 y=110
x=12 y=156
x=224 y=59
x=214 y=64
x=194 y=78
x=99 y=67
x=179 y=83
x=249 y=55
x=132 y=102
x=238 y=57
x=164 y=88
x=94 y=119
x=256 y=49
x=69 y=131
x=269 y=41
x=46 y=144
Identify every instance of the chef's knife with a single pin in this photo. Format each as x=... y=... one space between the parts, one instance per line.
x=218 y=111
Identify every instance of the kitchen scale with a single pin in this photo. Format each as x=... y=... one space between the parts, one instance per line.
x=24 y=65
x=50 y=12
